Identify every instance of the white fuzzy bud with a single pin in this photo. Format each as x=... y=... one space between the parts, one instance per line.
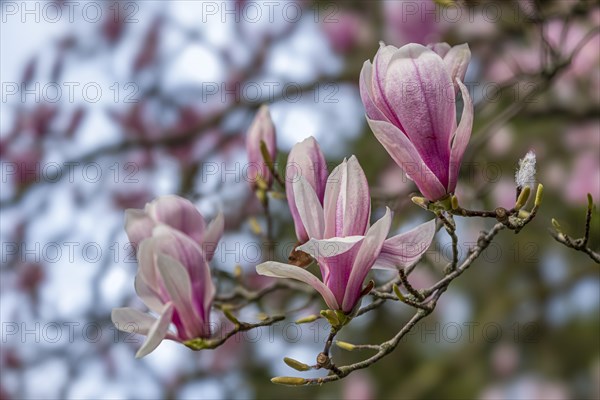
x=525 y=175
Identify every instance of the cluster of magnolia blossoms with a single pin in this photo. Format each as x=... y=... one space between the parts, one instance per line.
x=409 y=96
x=173 y=280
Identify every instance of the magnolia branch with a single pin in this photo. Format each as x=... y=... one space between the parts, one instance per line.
x=580 y=244
x=424 y=301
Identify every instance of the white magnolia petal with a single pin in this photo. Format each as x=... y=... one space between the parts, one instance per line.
x=177 y=282
x=407 y=247
x=281 y=270
x=131 y=320
x=461 y=137
x=150 y=298
x=309 y=208
x=213 y=233
x=329 y=247
x=158 y=331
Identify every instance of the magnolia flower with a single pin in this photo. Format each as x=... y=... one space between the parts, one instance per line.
x=341 y=240
x=305 y=160
x=174 y=278
x=179 y=214
x=410 y=101
x=261 y=130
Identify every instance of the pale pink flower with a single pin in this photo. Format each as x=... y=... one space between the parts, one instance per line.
x=173 y=279
x=409 y=94
x=341 y=240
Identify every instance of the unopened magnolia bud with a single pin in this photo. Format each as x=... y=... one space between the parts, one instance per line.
x=454 y=202
x=288 y=380
x=539 y=194
x=345 y=345
x=590 y=202
x=556 y=225
x=525 y=175
x=523 y=197
x=331 y=317
x=262 y=316
x=261 y=148
x=398 y=292
x=306 y=320
x=420 y=201
x=297 y=365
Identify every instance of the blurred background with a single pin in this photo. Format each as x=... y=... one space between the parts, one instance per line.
x=106 y=105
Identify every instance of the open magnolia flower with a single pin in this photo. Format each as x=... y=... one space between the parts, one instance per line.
x=340 y=238
x=409 y=94
x=173 y=279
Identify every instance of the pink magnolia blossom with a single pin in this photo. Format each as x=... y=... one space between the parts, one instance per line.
x=341 y=240
x=173 y=279
x=409 y=94
x=261 y=130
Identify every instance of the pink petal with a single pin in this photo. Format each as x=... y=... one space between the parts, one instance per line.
x=280 y=270
x=178 y=213
x=335 y=257
x=309 y=208
x=406 y=156
x=131 y=320
x=138 y=226
x=379 y=78
x=158 y=331
x=366 y=92
x=367 y=254
x=441 y=49
x=329 y=247
x=150 y=298
x=403 y=249
x=213 y=234
x=457 y=60
x=347 y=204
x=305 y=159
x=178 y=285
x=147 y=265
x=461 y=137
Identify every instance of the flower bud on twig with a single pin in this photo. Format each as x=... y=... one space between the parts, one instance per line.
x=288 y=380
x=297 y=365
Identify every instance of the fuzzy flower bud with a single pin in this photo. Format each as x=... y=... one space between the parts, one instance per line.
x=525 y=175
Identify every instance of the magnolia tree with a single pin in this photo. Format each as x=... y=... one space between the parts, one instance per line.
x=411 y=96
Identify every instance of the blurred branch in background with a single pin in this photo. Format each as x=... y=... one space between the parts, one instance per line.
x=580 y=244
